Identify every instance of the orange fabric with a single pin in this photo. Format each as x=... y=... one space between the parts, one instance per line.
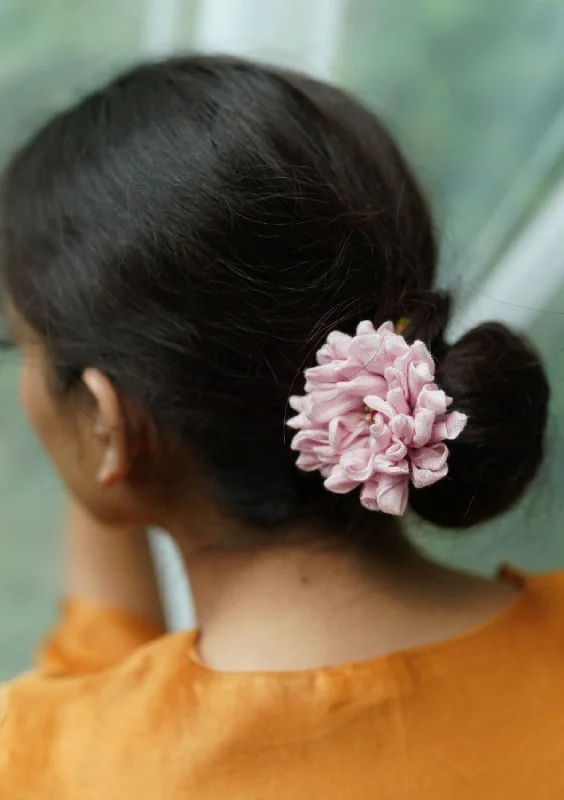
x=90 y=638
x=479 y=716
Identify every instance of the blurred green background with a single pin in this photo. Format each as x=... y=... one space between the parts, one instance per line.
x=473 y=91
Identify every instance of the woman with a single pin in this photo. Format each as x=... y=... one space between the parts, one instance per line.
x=220 y=277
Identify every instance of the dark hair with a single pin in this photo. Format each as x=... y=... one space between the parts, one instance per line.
x=197 y=228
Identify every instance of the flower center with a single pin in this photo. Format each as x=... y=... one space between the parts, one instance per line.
x=368 y=414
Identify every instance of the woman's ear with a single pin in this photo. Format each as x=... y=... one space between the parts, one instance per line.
x=110 y=428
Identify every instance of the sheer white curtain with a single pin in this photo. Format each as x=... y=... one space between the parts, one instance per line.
x=531 y=270
x=293 y=33
x=160 y=29
x=527 y=276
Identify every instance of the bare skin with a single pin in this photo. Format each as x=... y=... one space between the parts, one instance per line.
x=110 y=565
x=296 y=608
x=284 y=608
x=271 y=608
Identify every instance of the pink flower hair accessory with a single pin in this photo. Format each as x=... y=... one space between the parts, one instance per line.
x=373 y=417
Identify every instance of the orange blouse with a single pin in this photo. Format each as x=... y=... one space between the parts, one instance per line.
x=116 y=711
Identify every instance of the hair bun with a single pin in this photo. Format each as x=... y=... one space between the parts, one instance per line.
x=497 y=379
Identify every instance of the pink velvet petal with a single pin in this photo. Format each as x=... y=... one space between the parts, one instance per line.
x=338 y=482
x=357 y=464
x=449 y=427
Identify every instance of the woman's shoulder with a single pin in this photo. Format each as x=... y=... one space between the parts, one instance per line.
x=541 y=598
x=49 y=724
x=515 y=658
x=531 y=623
x=544 y=604
x=548 y=584
x=157 y=663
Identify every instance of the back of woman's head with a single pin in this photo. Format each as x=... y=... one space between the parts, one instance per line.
x=196 y=229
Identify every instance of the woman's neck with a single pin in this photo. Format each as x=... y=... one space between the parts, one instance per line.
x=299 y=607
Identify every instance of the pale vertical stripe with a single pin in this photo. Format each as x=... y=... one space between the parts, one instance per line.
x=530 y=273
x=159 y=38
x=303 y=34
